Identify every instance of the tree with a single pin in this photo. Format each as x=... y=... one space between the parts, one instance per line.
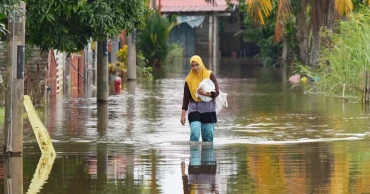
x=153 y=39
x=68 y=25
x=6 y=6
x=311 y=17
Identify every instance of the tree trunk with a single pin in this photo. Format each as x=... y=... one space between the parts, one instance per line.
x=285 y=48
x=331 y=16
x=318 y=19
x=302 y=33
x=330 y=21
x=316 y=40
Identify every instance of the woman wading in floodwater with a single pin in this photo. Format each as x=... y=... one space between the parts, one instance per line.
x=201 y=115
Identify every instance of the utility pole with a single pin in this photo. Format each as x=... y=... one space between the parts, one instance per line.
x=102 y=91
x=210 y=36
x=13 y=130
x=215 y=41
x=131 y=58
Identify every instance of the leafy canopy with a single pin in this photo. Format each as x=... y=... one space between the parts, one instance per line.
x=68 y=25
x=6 y=6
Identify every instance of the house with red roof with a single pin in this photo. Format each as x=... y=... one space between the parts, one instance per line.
x=205 y=29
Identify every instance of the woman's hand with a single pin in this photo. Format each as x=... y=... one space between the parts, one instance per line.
x=183 y=168
x=183 y=119
x=202 y=92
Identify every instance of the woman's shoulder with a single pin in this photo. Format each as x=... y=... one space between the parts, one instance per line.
x=212 y=75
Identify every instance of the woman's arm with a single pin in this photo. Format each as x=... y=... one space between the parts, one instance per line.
x=185 y=103
x=214 y=80
x=186 y=97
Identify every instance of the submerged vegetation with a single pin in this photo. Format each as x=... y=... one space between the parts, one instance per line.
x=345 y=62
x=175 y=53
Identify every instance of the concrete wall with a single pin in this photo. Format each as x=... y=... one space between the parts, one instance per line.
x=3 y=57
x=35 y=69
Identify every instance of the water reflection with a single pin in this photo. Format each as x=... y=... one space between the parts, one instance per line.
x=201 y=177
x=271 y=139
x=102 y=165
x=42 y=172
x=102 y=114
x=131 y=88
x=13 y=175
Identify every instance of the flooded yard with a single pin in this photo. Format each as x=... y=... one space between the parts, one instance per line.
x=273 y=138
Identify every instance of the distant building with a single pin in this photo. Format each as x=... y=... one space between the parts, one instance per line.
x=206 y=29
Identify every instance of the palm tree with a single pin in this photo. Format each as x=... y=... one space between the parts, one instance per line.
x=319 y=13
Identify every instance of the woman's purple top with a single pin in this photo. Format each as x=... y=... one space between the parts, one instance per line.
x=200 y=111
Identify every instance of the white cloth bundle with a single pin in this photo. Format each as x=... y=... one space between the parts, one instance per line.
x=206 y=85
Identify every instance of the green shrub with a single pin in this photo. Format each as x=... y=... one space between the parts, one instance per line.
x=346 y=59
x=122 y=54
x=153 y=39
x=175 y=53
x=142 y=70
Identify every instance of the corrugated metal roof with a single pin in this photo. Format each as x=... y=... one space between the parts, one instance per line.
x=192 y=6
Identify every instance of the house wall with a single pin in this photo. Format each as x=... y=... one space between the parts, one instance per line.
x=77 y=72
x=232 y=41
x=184 y=35
x=228 y=40
x=36 y=70
x=201 y=39
x=3 y=57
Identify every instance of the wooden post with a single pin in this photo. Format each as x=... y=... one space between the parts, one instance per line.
x=102 y=91
x=131 y=58
x=13 y=130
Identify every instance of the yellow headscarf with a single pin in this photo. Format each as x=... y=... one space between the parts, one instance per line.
x=194 y=78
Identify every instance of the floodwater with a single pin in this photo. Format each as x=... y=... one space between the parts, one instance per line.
x=273 y=138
